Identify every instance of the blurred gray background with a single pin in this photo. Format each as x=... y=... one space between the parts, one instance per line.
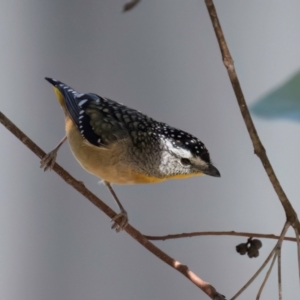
x=161 y=58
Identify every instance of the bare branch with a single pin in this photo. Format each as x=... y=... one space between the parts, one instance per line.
x=267 y=276
x=284 y=230
x=218 y=233
x=279 y=275
x=259 y=149
x=79 y=186
x=298 y=250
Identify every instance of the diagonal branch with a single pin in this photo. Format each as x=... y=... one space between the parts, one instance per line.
x=79 y=186
x=272 y=253
x=267 y=276
x=259 y=149
x=298 y=250
x=279 y=275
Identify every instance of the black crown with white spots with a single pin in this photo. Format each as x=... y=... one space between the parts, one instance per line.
x=102 y=121
x=181 y=139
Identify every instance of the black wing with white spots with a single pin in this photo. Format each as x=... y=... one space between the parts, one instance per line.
x=103 y=121
x=74 y=101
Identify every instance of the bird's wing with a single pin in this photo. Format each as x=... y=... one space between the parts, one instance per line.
x=101 y=121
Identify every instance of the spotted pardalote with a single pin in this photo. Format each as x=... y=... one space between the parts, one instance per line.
x=121 y=145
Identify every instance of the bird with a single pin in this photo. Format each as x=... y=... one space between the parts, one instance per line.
x=121 y=145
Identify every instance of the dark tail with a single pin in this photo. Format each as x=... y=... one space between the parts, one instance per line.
x=68 y=98
x=54 y=82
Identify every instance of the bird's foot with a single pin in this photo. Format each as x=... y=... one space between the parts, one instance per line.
x=123 y=217
x=48 y=161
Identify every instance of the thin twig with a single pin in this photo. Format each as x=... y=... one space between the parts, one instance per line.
x=279 y=275
x=259 y=149
x=218 y=233
x=130 y=5
x=279 y=242
x=298 y=250
x=79 y=186
x=267 y=276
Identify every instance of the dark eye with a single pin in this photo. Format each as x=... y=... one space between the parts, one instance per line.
x=185 y=161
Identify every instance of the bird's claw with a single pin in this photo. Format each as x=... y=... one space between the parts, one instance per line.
x=48 y=161
x=123 y=217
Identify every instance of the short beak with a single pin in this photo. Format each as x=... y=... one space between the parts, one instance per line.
x=212 y=171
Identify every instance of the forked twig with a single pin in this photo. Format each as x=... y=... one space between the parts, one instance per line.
x=267 y=276
x=284 y=230
x=259 y=149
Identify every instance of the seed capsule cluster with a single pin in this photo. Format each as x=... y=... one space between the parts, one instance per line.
x=251 y=247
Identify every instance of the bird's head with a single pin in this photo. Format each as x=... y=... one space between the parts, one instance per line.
x=183 y=155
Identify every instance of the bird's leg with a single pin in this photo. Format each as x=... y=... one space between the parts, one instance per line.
x=49 y=159
x=122 y=215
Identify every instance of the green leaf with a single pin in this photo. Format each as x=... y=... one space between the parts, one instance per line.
x=281 y=103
